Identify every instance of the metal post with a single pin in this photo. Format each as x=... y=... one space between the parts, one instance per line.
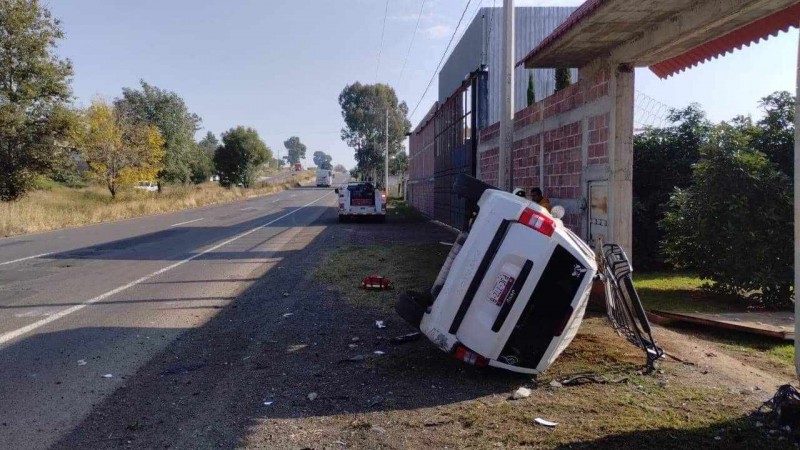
x=386 y=160
x=505 y=160
x=797 y=217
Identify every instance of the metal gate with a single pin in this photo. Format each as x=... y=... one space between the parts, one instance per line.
x=456 y=130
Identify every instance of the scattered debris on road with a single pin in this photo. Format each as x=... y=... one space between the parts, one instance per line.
x=379 y=324
x=285 y=294
x=312 y=396
x=521 y=393
x=376 y=282
x=81 y=362
x=268 y=403
x=379 y=352
x=108 y=375
x=375 y=401
x=406 y=338
x=545 y=423
x=288 y=314
x=357 y=358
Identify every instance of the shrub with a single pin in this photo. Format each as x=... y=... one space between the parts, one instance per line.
x=734 y=225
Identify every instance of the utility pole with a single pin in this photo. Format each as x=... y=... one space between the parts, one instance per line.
x=797 y=217
x=505 y=160
x=386 y=160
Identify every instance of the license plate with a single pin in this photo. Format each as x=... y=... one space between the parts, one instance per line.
x=501 y=289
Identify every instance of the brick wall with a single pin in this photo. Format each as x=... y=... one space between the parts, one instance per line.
x=419 y=191
x=558 y=158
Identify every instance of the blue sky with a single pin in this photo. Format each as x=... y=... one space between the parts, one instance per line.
x=279 y=65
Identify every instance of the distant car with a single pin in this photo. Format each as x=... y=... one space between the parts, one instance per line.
x=149 y=186
x=361 y=200
x=324 y=178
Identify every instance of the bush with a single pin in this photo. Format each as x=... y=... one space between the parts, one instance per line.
x=734 y=224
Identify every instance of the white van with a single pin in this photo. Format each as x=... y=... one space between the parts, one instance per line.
x=361 y=200
x=514 y=289
x=324 y=178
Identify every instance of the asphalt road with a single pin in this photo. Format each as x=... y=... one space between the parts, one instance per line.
x=81 y=309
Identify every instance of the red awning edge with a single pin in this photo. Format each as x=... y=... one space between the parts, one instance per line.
x=744 y=36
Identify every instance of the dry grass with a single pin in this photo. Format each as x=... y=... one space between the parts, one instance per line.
x=60 y=207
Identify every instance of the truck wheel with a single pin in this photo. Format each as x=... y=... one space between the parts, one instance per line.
x=409 y=309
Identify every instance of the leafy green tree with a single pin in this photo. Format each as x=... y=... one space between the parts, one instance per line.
x=563 y=78
x=399 y=164
x=240 y=156
x=168 y=112
x=209 y=144
x=732 y=225
x=531 y=90
x=34 y=91
x=201 y=165
x=364 y=109
x=774 y=133
x=296 y=150
x=323 y=160
x=662 y=161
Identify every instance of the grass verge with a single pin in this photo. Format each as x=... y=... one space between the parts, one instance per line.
x=60 y=207
x=676 y=407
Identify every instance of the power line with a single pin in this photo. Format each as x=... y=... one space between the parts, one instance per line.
x=383 y=32
x=442 y=59
x=411 y=44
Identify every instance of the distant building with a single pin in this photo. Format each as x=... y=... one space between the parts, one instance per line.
x=444 y=143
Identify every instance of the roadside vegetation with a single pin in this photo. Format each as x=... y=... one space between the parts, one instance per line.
x=55 y=206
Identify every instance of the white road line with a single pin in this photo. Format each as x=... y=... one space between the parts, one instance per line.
x=188 y=221
x=52 y=318
x=25 y=258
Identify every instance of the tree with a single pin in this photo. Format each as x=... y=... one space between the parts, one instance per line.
x=323 y=160
x=563 y=78
x=339 y=168
x=531 y=89
x=209 y=144
x=238 y=158
x=399 y=164
x=662 y=161
x=201 y=164
x=119 y=152
x=731 y=226
x=774 y=133
x=364 y=109
x=296 y=150
x=34 y=89
x=168 y=112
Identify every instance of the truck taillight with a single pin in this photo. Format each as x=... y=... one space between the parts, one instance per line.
x=538 y=221
x=383 y=196
x=470 y=357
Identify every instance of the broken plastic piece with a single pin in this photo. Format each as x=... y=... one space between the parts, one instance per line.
x=406 y=338
x=379 y=324
x=81 y=362
x=376 y=282
x=521 y=393
x=378 y=352
x=108 y=375
x=288 y=314
x=312 y=396
x=545 y=423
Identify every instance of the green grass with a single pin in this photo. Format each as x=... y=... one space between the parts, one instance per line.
x=680 y=292
x=408 y=266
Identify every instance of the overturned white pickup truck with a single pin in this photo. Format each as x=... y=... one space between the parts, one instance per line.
x=514 y=288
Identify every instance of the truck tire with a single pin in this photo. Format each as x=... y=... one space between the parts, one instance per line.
x=409 y=309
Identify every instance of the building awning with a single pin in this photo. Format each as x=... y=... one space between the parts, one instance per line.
x=668 y=36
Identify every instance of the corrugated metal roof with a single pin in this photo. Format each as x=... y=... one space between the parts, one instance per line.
x=748 y=34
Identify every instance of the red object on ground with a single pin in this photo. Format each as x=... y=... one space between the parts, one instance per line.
x=376 y=282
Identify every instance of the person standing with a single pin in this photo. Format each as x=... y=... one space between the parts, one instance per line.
x=538 y=197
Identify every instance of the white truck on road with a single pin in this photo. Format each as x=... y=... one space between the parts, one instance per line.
x=324 y=178
x=361 y=199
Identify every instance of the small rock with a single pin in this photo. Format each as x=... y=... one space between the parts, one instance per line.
x=312 y=396
x=285 y=294
x=717 y=438
x=379 y=324
x=787 y=429
x=556 y=384
x=352 y=345
x=81 y=362
x=522 y=392
x=355 y=339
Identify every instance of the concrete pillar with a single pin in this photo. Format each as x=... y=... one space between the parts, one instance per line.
x=620 y=193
